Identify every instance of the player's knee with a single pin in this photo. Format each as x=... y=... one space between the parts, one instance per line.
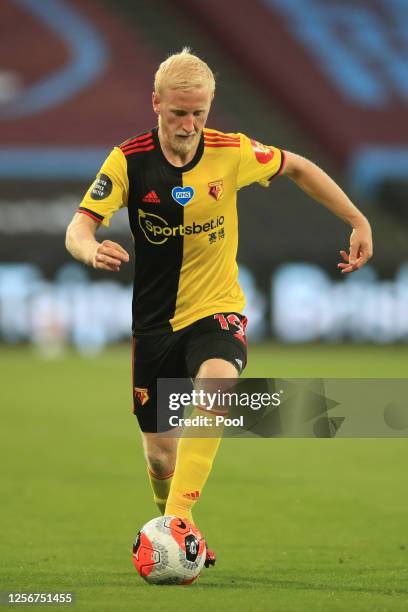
x=161 y=458
x=217 y=368
x=161 y=463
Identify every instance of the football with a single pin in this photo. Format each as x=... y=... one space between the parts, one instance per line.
x=169 y=550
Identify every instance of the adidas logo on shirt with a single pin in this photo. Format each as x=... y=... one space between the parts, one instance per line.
x=151 y=198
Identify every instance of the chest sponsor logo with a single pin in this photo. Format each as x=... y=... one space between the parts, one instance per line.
x=157 y=230
x=263 y=153
x=102 y=187
x=182 y=195
x=216 y=189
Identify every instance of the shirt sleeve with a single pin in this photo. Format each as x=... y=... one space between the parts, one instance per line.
x=109 y=191
x=259 y=163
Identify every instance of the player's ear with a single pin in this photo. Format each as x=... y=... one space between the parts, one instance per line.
x=156 y=102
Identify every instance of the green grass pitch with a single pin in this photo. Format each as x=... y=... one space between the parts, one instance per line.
x=297 y=524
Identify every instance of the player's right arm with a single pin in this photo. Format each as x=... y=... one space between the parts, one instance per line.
x=83 y=246
x=106 y=195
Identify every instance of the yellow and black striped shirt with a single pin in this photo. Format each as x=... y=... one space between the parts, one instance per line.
x=184 y=222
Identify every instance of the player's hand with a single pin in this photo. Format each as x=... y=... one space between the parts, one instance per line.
x=361 y=249
x=109 y=256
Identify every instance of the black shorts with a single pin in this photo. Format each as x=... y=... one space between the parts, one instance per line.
x=179 y=355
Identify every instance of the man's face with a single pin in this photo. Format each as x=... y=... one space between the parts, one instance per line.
x=182 y=116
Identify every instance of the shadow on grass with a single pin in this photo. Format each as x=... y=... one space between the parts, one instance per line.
x=218 y=580
x=299 y=585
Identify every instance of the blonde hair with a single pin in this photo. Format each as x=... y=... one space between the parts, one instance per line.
x=184 y=70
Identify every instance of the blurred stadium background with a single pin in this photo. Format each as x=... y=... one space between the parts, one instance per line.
x=324 y=78
x=332 y=86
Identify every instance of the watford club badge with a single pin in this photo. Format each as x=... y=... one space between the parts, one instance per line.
x=141 y=395
x=216 y=189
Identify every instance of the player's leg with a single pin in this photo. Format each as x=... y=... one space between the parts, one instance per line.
x=161 y=451
x=154 y=356
x=196 y=453
x=217 y=368
x=213 y=353
x=160 y=454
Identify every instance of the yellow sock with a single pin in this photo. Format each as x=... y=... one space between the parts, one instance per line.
x=161 y=488
x=195 y=456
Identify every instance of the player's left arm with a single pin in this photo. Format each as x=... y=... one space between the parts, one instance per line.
x=317 y=184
